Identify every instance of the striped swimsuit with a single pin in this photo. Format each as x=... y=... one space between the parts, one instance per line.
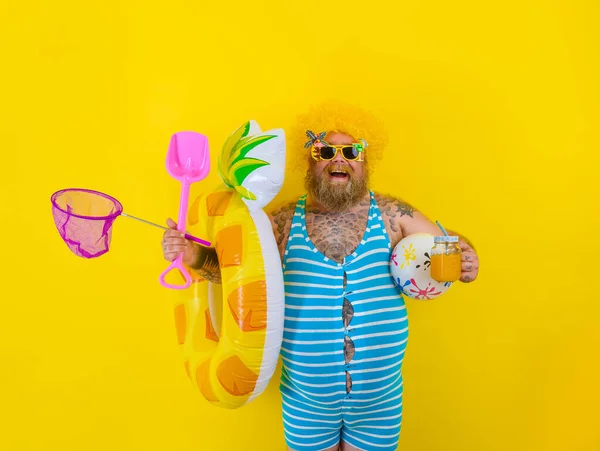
x=317 y=410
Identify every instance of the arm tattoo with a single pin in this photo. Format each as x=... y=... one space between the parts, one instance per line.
x=403 y=208
x=208 y=265
x=282 y=219
x=393 y=209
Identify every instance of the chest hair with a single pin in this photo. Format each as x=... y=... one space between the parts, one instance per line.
x=336 y=235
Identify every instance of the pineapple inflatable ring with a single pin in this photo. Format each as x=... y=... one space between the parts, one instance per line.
x=230 y=334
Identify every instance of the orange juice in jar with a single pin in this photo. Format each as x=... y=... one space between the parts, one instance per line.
x=446 y=258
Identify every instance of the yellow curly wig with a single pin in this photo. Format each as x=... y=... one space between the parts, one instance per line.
x=336 y=116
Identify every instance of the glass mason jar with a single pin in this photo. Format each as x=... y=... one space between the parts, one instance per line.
x=446 y=258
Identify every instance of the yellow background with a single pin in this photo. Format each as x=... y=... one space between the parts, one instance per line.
x=493 y=109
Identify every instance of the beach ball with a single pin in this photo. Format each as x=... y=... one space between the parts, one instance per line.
x=410 y=267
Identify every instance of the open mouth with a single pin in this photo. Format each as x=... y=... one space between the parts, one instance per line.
x=338 y=175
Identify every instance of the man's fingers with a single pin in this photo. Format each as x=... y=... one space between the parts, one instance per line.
x=172 y=252
x=174 y=238
x=173 y=234
x=468 y=256
x=171 y=256
x=175 y=247
x=464 y=246
x=469 y=266
x=466 y=278
x=174 y=242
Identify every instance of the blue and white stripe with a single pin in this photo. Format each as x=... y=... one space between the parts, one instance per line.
x=317 y=410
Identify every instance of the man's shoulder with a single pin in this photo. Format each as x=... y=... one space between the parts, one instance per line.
x=392 y=207
x=281 y=220
x=283 y=211
x=394 y=212
x=403 y=219
x=281 y=215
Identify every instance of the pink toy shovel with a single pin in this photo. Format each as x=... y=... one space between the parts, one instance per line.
x=187 y=161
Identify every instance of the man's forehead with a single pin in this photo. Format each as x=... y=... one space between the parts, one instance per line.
x=339 y=138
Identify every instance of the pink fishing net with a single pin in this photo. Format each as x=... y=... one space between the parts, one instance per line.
x=84 y=219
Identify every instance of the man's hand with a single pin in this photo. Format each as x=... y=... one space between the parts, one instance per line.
x=470 y=262
x=175 y=243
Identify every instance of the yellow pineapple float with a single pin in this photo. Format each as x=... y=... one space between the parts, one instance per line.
x=230 y=334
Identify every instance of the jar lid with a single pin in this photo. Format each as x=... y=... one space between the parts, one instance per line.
x=445 y=239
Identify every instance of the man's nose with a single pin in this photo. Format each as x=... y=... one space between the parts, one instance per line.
x=338 y=158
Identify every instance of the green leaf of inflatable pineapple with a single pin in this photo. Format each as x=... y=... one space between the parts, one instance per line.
x=233 y=166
